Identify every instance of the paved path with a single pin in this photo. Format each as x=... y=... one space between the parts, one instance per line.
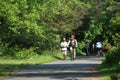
x=83 y=68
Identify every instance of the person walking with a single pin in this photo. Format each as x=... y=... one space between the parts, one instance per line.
x=105 y=48
x=64 y=46
x=99 y=48
x=93 y=48
x=86 y=47
x=72 y=45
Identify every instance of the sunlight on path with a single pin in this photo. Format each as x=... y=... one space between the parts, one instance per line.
x=83 y=68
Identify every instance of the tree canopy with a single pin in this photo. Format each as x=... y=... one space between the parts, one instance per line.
x=40 y=24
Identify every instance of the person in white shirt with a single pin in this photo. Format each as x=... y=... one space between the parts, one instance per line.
x=99 y=47
x=64 y=46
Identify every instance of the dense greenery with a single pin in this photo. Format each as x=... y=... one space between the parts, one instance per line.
x=29 y=27
x=39 y=25
x=9 y=66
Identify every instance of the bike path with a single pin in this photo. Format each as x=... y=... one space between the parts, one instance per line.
x=82 y=68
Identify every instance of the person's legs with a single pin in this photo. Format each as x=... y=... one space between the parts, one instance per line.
x=74 y=53
x=65 y=54
x=71 y=53
x=98 y=51
x=87 y=51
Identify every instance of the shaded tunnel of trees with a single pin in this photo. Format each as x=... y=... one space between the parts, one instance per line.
x=39 y=25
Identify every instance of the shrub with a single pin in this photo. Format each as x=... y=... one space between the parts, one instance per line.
x=25 y=53
x=80 y=49
x=113 y=56
x=6 y=51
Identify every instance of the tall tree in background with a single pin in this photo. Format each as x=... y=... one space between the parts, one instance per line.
x=30 y=23
x=41 y=23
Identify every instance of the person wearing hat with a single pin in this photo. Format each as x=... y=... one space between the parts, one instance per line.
x=64 y=46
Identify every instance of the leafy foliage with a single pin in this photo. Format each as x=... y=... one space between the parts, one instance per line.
x=113 y=57
x=40 y=24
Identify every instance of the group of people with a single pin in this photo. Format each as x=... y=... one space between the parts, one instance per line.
x=97 y=48
x=71 y=44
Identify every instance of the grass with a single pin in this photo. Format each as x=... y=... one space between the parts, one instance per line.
x=9 y=65
x=109 y=70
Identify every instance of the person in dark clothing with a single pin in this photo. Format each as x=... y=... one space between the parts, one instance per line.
x=72 y=45
x=86 y=47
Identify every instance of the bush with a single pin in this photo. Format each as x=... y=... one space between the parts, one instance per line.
x=80 y=49
x=113 y=56
x=16 y=52
x=25 y=53
x=6 y=51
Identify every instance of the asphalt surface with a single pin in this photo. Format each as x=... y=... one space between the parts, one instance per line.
x=83 y=68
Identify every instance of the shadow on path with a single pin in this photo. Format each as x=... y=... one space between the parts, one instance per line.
x=63 y=69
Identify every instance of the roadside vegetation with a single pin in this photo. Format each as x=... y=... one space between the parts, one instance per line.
x=9 y=65
x=110 y=67
x=31 y=29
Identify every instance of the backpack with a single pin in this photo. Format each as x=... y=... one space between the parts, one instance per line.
x=73 y=43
